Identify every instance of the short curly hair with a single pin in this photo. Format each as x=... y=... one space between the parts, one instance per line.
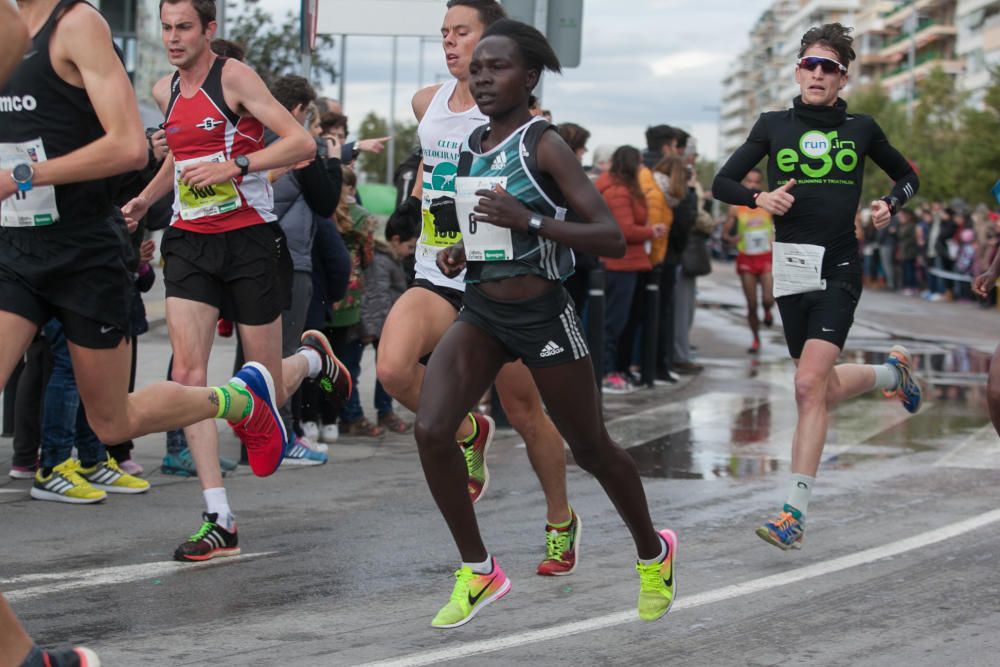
x=831 y=35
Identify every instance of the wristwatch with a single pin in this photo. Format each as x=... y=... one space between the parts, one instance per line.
x=892 y=203
x=22 y=174
x=535 y=223
x=243 y=162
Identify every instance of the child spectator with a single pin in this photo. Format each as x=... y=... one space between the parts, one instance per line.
x=385 y=281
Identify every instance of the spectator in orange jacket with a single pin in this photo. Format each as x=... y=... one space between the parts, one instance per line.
x=620 y=188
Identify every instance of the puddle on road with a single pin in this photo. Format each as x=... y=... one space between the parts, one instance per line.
x=749 y=435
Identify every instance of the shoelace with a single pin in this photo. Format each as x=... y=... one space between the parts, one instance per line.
x=472 y=461
x=649 y=576
x=461 y=591
x=556 y=544
x=785 y=524
x=206 y=527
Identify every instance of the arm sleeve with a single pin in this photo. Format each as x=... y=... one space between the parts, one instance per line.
x=317 y=189
x=727 y=187
x=892 y=162
x=347 y=153
x=336 y=260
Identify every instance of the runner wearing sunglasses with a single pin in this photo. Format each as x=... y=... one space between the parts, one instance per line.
x=816 y=154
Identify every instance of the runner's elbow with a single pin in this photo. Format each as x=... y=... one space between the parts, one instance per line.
x=134 y=156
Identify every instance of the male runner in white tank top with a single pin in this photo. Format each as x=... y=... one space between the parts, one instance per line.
x=447 y=115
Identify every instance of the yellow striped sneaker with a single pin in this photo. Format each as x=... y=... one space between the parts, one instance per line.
x=65 y=485
x=107 y=476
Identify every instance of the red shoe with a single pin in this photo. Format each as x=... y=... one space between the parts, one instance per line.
x=262 y=432
x=562 y=548
x=225 y=328
x=754 y=347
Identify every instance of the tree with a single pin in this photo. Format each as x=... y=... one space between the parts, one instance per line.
x=935 y=136
x=273 y=48
x=979 y=160
x=891 y=117
x=373 y=165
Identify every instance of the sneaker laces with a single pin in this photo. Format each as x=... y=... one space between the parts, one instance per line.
x=649 y=576
x=556 y=544
x=472 y=461
x=785 y=523
x=460 y=593
x=205 y=529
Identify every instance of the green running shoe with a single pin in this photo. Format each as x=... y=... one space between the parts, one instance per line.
x=475 y=456
x=657 y=583
x=472 y=592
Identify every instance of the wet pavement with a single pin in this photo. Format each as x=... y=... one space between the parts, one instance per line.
x=346 y=563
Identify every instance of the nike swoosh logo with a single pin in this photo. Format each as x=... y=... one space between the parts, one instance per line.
x=825 y=330
x=29 y=54
x=106 y=330
x=844 y=264
x=670 y=581
x=473 y=599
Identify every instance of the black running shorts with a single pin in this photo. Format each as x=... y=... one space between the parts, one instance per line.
x=543 y=331
x=245 y=273
x=825 y=314
x=449 y=294
x=74 y=271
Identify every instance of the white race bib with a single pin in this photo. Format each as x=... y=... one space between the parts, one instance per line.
x=483 y=242
x=757 y=242
x=205 y=201
x=797 y=268
x=37 y=206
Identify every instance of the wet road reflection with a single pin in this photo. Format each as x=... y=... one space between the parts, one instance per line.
x=745 y=430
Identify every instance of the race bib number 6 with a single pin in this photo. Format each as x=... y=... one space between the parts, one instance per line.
x=201 y=202
x=483 y=242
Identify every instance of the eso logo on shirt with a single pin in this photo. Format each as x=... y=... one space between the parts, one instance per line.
x=820 y=151
x=18 y=103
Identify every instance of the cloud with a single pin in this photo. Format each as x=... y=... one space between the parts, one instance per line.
x=685 y=60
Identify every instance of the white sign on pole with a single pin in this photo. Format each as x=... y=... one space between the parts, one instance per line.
x=401 y=18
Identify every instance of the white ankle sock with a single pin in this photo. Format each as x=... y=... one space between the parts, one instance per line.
x=313 y=359
x=658 y=559
x=216 y=502
x=799 y=491
x=886 y=377
x=481 y=568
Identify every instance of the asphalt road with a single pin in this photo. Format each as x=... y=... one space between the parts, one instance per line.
x=346 y=563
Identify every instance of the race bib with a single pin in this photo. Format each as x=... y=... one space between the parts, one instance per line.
x=483 y=242
x=37 y=206
x=201 y=202
x=757 y=242
x=797 y=268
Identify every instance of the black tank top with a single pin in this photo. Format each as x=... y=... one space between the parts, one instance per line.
x=36 y=104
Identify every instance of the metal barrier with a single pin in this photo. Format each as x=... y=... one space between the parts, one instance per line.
x=650 y=326
x=595 y=322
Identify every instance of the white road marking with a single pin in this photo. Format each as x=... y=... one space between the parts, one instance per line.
x=76 y=579
x=21 y=491
x=466 y=650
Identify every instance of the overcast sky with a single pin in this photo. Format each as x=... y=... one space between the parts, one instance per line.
x=644 y=62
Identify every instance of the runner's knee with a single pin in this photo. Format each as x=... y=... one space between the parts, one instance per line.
x=395 y=377
x=810 y=387
x=432 y=435
x=188 y=376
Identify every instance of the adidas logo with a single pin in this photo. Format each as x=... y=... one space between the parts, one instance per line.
x=500 y=162
x=550 y=350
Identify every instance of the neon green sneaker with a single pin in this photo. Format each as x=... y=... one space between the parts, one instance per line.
x=657 y=583
x=475 y=456
x=472 y=592
x=107 y=476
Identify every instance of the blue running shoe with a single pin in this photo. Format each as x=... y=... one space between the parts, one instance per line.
x=786 y=531
x=182 y=464
x=296 y=453
x=262 y=431
x=908 y=391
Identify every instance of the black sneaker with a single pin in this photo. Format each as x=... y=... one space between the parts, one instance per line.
x=211 y=541
x=334 y=378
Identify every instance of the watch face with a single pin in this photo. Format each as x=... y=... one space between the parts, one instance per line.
x=22 y=173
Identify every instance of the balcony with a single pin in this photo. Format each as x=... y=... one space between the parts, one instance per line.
x=928 y=31
x=901 y=75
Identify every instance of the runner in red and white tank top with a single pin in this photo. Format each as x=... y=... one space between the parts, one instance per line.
x=203 y=128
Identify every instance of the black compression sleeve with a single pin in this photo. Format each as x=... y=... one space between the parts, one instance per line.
x=892 y=162
x=727 y=187
x=316 y=188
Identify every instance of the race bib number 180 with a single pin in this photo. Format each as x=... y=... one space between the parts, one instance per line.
x=201 y=202
x=37 y=206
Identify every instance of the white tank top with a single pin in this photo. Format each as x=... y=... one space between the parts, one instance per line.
x=442 y=133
